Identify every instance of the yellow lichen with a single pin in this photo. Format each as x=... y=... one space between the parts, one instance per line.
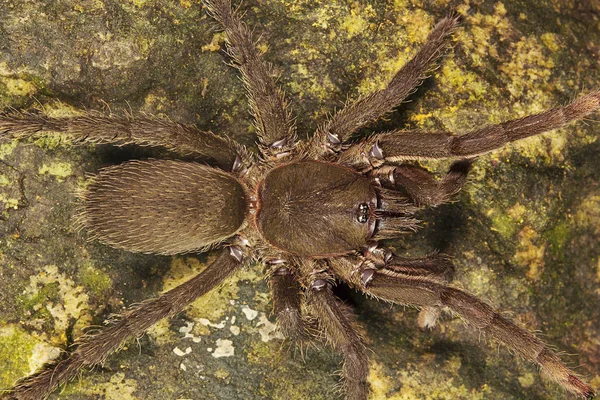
x=588 y=213
x=503 y=223
x=117 y=388
x=215 y=43
x=7 y=203
x=354 y=23
x=526 y=380
x=6 y=149
x=413 y=377
x=517 y=212
x=161 y=332
x=60 y=170
x=483 y=28
x=4 y=181
x=530 y=253
x=138 y=3
x=21 y=353
x=19 y=87
x=213 y=305
x=67 y=303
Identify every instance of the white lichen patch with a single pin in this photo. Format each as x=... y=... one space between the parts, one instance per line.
x=42 y=354
x=249 y=313
x=267 y=330
x=224 y=348
x=206 y=322
x=187 y=332
x=235 y=330
x=71 y=302
x=117 y=53
x=182 y=353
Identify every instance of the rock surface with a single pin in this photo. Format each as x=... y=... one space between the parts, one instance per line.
x=524 y=233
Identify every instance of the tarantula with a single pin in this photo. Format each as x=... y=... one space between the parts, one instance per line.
x=312 y=212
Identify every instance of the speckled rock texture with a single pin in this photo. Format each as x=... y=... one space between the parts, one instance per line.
x=524 y=232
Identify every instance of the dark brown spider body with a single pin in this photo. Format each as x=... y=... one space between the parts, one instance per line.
x=323 y=216
x=165 y=207
x=311 y=212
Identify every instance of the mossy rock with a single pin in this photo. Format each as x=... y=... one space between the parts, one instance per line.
x=524 y=233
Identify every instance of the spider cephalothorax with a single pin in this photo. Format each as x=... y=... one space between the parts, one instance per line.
x=312 y=212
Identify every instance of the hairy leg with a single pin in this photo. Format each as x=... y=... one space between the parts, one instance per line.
x=337 y=130
x=421 y=186
x=396 y=146
x=273 y=120
x=96 y=127
x=399 y=288
x=94 y=348
x=438 y=267
x=287 y=298
x=336 y=322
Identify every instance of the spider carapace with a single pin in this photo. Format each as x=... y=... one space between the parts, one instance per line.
x=330 y=214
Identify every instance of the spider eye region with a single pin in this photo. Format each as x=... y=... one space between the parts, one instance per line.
x=315 y=209
x=363 y=213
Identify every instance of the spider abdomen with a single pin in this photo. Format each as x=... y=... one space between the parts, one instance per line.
x=315 y=209
x=163 y=206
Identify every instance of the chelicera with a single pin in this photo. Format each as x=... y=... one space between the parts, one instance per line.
x=313 y=212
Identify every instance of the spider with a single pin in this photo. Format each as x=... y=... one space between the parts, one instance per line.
x=312 y=212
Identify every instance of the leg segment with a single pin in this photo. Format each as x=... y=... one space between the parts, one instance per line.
x=275 y=125
x=437 y=267
x=337 y=325
x=95 y=127
x=396 y=146
x=375 y=105
x=421 y=185
x=93 y=349
x=287 y=298
x=423 y=292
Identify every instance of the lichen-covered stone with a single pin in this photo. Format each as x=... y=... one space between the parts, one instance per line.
x=524 y=232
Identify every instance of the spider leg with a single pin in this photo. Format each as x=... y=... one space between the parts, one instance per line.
x=421 y=186
x=287 y=299
x=423 y=292
x=273 y=120
x=332 y=134
x=337 y=325
x=438 y=267
x=94 y=348
x=396 y=146
x=96 y=127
